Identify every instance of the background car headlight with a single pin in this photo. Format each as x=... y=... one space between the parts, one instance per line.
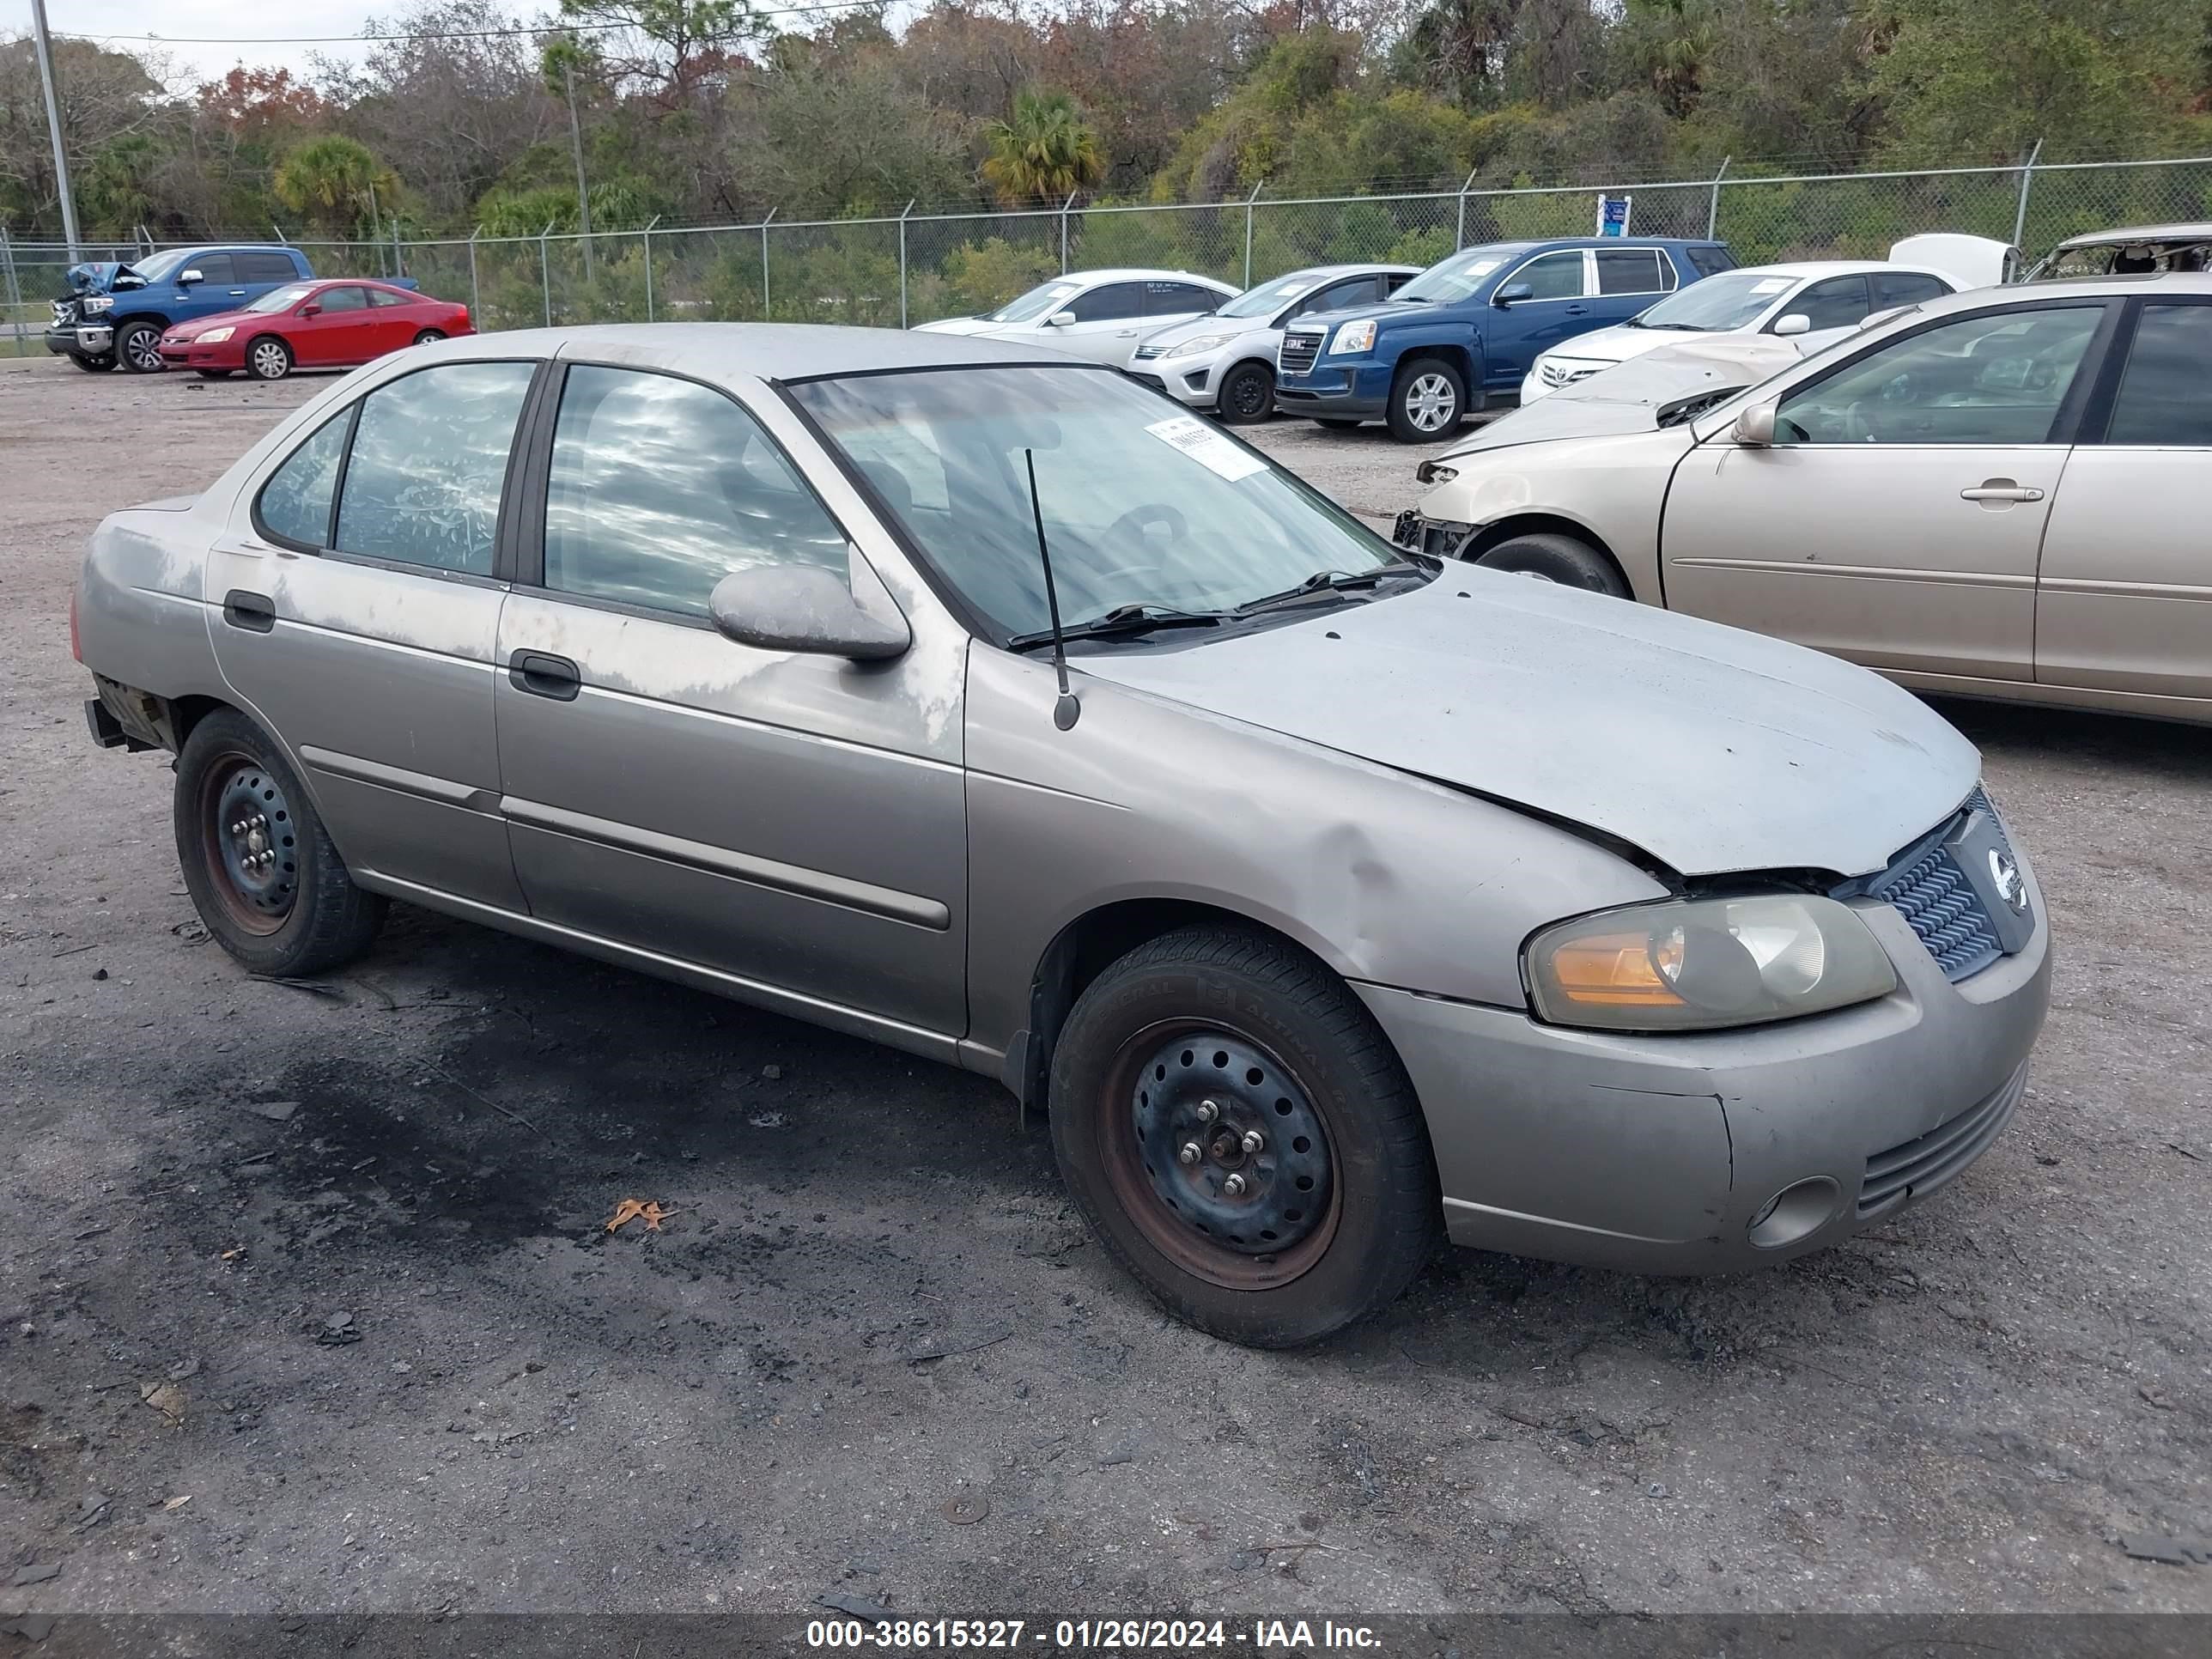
x=1203 y=342
x=1353 y=336
x=212 y=336
x=1700 y=964
x=96 y=303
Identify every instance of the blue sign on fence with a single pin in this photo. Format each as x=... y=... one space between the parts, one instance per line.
x=1613 y=215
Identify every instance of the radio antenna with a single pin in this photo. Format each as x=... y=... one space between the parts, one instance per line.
x=1066 y=711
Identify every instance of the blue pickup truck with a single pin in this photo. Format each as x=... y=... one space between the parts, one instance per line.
x=116 y=313
x=1462 y=334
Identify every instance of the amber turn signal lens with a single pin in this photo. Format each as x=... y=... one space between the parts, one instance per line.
x=1611 y=970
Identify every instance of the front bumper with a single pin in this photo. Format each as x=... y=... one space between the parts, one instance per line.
x=1351 y=391
x=1438 y=537
x=81 y=339
x=1186 y=379
x=190 y=354
x=1659 y=1154
x=1532 y=387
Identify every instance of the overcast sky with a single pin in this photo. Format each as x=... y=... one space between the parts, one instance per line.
x=172 y=20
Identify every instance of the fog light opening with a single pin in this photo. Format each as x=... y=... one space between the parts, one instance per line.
x=1795 y=1212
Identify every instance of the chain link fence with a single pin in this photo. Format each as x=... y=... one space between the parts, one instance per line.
x=888 y=272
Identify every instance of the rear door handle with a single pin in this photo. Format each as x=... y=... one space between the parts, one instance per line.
x=255 y=612
x=2000 y=489
x=1577 y=311
x=543 y=675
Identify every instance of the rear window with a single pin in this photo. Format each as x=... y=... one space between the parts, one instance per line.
x=1709 y=258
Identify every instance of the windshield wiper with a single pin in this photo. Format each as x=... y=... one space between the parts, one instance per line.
x=1329 y=582
x=1122 y=621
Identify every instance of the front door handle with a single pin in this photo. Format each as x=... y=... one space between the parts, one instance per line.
x=543 y=675
x=2002 y=490
x=255 y=612
x=1577 y=311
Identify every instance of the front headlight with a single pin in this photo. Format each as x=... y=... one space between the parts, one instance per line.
x=213 y=336
x=1353 y=336
x=96 y=303
x=1700 y=964
x=1203 y=342
x=1434 y=473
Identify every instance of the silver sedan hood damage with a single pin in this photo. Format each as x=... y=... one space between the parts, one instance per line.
x=1640 y=395
x=1709 y=748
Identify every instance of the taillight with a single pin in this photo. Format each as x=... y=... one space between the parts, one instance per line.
x=76 y=645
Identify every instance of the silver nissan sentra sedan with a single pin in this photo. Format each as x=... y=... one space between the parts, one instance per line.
x=1328 y=897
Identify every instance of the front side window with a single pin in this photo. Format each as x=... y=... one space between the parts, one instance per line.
x=1629 y=270
x=343 y=299
x=2162 y=397
x=429 y=462
x=295 y=503
x=1839 y=302
x=1139 y=506
x=1108 y=303
x=661 y=486
x=1554 y=277
x=1998 y=378
x=215 y=269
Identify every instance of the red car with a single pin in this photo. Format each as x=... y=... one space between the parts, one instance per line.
x=337 y=323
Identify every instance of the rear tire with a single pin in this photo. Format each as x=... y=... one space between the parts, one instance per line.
x=1555 y=558
x=274 y=894
x=139 y=347
x=99 y=365
x=1314 y=1136
x=429 y=335
x=1247 y=394
x=268 y=358
x=1427 y=399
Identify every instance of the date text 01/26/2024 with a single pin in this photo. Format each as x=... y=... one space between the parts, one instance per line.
x=1089 y=1635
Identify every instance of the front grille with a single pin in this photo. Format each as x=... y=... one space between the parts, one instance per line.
x=1299 y=352
x=1921 y=1165
x=64 y=313
x=1146 y=353
x=1932 y=893
x=1558 y=374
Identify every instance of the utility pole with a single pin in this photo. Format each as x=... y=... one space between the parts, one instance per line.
x=577 y=143
x=54 y=124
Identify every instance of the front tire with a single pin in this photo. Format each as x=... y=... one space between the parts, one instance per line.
x=1426 y=401
x=1247 y=394
x=1312 y=1199
x=139 y=346
x=259 y=867
x=1561 y=559
x=268 y=358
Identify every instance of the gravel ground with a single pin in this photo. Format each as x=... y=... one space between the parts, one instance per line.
x=307 y=1304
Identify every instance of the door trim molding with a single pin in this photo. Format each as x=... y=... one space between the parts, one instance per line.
x=444 y=790
x=1877 y=573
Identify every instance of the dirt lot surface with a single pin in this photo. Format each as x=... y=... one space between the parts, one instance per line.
x=307 y=1303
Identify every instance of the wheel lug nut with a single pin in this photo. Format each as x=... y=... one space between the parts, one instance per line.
x=1233 y=1186
x=1253 y=1140
x=1191 y=1152
x=1207 y=1111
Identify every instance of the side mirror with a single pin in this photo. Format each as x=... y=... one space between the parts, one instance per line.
x=1754 y=427
x=805 y=608
x=1512 y=293
x=311 y=309
x=187 y=278
x=1060 y=320
x=1796 y=322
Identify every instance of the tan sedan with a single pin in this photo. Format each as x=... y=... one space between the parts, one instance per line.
x=2002 y=494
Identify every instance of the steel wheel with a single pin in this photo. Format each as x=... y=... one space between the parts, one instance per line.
x=269 y=360
x=249 y=842
x=1431 y=403
x=1216 y=1151
x=1247 y=394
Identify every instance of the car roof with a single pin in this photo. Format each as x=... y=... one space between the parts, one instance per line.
x=1346 y=269
x=731 y=352
x=1827 y=268
x=2184 y=231
x=1553 y=244
x=1138 y=274
x=2151 y=283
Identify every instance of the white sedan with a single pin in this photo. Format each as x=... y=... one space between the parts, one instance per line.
x=1098 y=314
x=1808 y=304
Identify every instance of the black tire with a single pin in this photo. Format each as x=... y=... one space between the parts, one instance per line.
x=303 y=915
x=1428 y=399
x=1306 y=1053
x=429 y=334
x=268 y=358
x=138 y=347
x=213 y=374
x=1246 y=396
x=99 y=364
x=1556 y=558
x=1339 y=425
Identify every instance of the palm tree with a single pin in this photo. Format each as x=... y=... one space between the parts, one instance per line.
x=335 y=180
x=1045 y=152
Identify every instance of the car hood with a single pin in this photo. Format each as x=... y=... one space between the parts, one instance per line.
x=1711 y=749
x=1618 y=344
x=958 y=325
x=94 y=276
x=1641 y=395
x=1325 y=320
x=1198 y=327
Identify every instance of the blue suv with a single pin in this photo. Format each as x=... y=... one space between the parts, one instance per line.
x=1461 y=335
x=116 y=313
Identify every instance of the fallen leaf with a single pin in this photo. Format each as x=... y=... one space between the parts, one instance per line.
x=232 y=1255
x=631 y=1209
x=176 y=1504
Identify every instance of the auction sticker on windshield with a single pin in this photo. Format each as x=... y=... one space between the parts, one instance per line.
x=1207 y=448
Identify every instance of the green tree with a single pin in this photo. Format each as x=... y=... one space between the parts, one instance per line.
x=338 y=182
x=1044 y=153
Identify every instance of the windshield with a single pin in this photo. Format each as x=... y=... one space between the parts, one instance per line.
x=1457 y=278
x=1259 y=301
x=1142 y=505
x=279 y=298
x=1036 y=302
x=1731 y=300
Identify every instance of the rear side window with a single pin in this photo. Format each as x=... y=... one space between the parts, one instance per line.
x=1710 y=260
x=2162 y=397
x=429 y=454
x=1905 y=288
x=295 y=503
x=1176 y=299
x=265 y=268
x=1629 y=270
x=662 y=487
x=389 y=297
